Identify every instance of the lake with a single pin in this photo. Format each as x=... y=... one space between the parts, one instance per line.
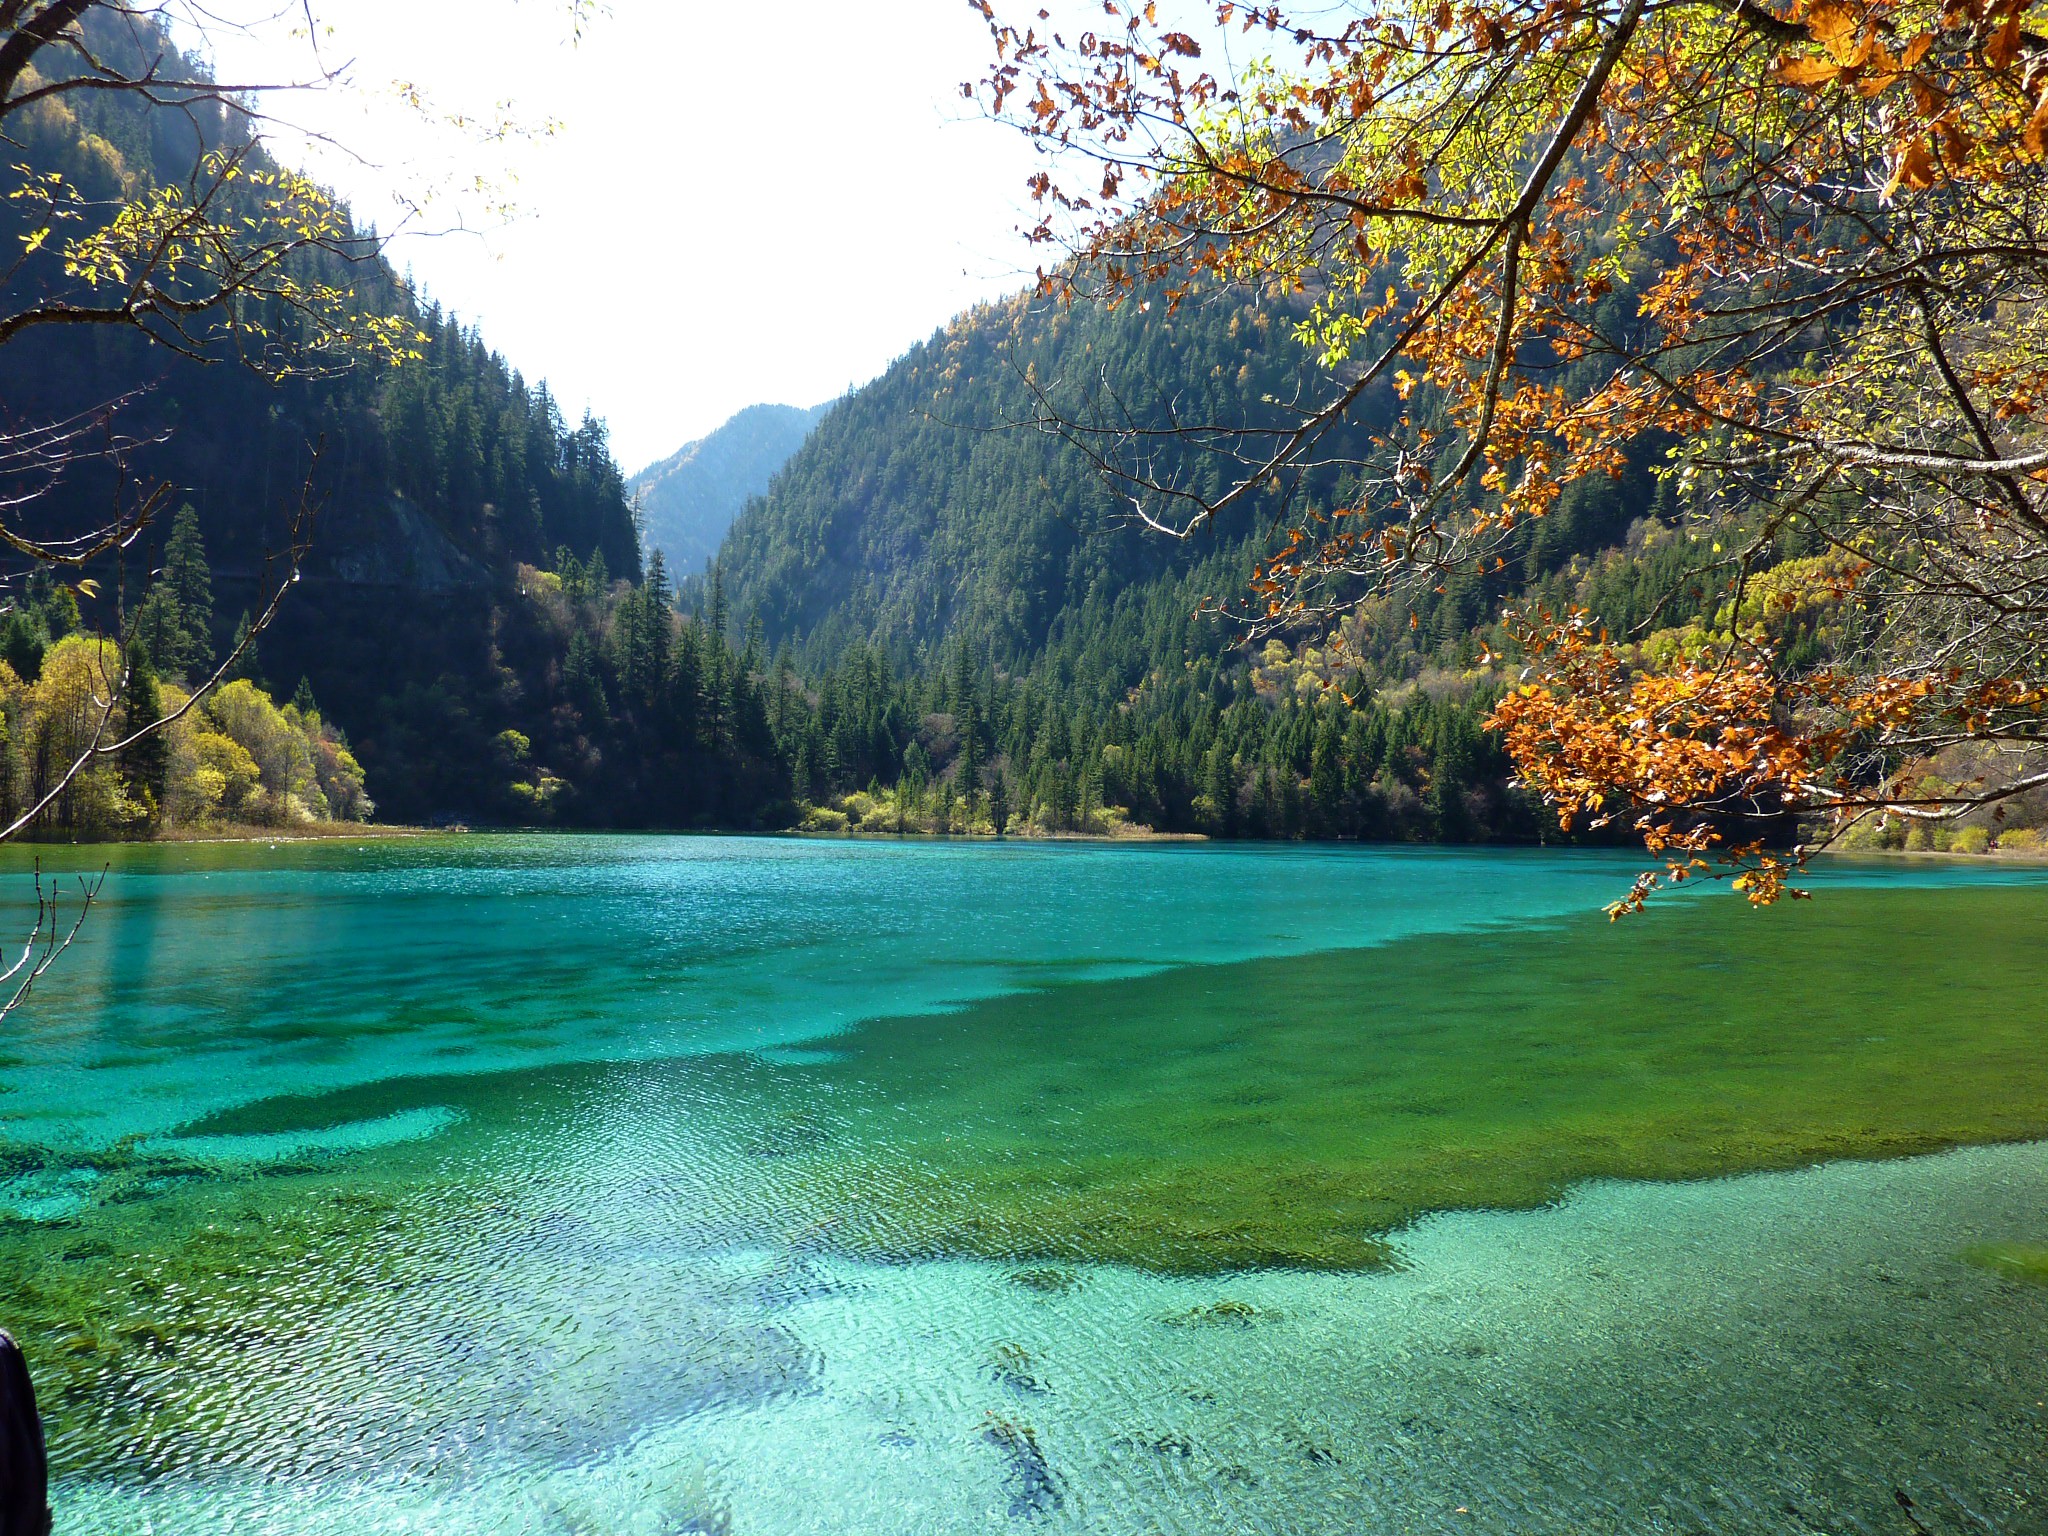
x=680 y=1184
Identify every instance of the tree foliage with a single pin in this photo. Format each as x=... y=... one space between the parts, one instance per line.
x=1796 y=253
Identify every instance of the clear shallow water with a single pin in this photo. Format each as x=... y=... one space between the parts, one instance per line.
x=421 y=1189
x=216 y=975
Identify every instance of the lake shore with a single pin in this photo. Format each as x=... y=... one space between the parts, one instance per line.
x=1992 y=855
x=1123 y=834
x=310 y=832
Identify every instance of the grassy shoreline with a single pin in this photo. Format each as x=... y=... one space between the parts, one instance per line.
x=312 y=832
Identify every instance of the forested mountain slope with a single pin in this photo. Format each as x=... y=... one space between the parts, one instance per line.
x=922 y=511
x=927 y=508
x=690 y=498
x=930 y=528
x=938 y=616
x=458 y=614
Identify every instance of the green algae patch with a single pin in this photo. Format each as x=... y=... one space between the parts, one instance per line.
x=1286 y=1113
x=2011 y=1261
x=138 y=1319
x=1295 y=1112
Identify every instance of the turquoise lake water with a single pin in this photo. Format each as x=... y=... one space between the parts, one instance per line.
x=474 y=1185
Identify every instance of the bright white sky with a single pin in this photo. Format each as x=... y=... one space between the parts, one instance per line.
x=745 y=202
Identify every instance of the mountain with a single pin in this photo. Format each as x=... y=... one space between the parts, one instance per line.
x=471 y=612
x=690 y=498
x=930 y=507
x=931 y=551
x=938 y=615
x=921 y=512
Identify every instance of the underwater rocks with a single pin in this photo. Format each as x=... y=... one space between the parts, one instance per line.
x=1034 y=1487
x=1012 y=1366
x=1218 y=1314
x=1046 y=1280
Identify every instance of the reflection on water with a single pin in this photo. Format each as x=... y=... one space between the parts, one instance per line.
x=409 y=1195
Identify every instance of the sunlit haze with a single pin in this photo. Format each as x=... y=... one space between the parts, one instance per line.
x=740 y=203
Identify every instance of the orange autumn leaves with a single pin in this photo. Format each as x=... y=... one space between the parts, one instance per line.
x=1691 y=753
x=1792 y=251
x=1971 y=79
x=1603 y=741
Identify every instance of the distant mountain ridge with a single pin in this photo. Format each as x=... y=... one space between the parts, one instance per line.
x=694 y=495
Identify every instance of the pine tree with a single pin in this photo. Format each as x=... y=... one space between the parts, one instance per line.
x=1220 y=790
x=1326 y=779
x=970 y=748
x=159 y=627
x=961 y=689
x=191 y=588
x=22 y=643
x=144 y=764
x=581 y=682
x=248 y=663
x=718 y=616
x=657 y=585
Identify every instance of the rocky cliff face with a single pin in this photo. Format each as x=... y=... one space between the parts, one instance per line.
x=691 y=498
x=398 y=545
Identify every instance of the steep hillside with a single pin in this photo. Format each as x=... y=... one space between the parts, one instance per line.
x=690 y=498
x=930 y=533
x=467 y=613
x=922 y=511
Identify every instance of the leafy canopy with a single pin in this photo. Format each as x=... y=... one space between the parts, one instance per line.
x=1796 y=254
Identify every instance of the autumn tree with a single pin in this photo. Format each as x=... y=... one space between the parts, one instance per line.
x=1792 y=255
x=234 y=260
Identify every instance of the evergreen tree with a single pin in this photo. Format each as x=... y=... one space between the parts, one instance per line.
x=580 y=680
x=159 y=627
x=248 y=661
x=144 y=763
x=22 y=643
x=190 y=585
x=718 y=617
x=657 y=587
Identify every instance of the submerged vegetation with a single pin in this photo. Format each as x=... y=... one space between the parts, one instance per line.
x=1271 y=1113
x=2014 y=1261
x=1194 y=1123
